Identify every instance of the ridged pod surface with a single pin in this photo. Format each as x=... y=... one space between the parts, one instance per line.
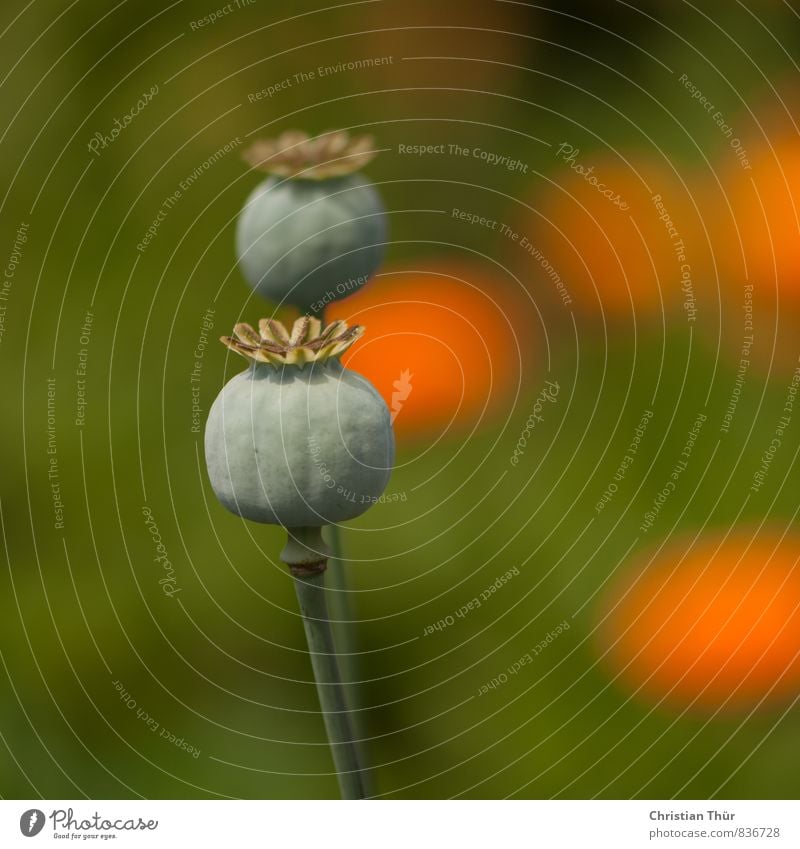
x=299 y=441
x=314 y=231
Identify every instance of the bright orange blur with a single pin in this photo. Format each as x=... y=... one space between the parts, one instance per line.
x=757 y=242
x=713 y=633
x=764 y=245
x=616 y=254
x=437 y=349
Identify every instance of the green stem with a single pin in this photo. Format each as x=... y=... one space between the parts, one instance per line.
x=341 y=606
x=306 y=556
x=343 y=618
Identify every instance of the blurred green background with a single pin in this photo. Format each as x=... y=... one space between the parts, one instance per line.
x=85 y=627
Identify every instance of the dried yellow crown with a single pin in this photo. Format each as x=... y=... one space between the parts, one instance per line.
x=295 y=154
x=308 y=342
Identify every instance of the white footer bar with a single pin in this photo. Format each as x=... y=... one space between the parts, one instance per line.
x=406 y=824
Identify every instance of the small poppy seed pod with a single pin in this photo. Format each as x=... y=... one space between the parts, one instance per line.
x=314 y=231
x=297 y=439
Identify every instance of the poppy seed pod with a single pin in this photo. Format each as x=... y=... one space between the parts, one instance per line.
x=314 y=231
x=298 y=440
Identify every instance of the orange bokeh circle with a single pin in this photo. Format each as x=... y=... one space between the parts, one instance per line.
x=714 y=625
x=444 y=346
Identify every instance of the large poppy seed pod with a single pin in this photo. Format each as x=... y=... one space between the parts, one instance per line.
x=314 y=231
x=298 y=440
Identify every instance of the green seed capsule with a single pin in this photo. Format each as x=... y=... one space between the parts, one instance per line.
x=298 y=440
x=314 y=231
